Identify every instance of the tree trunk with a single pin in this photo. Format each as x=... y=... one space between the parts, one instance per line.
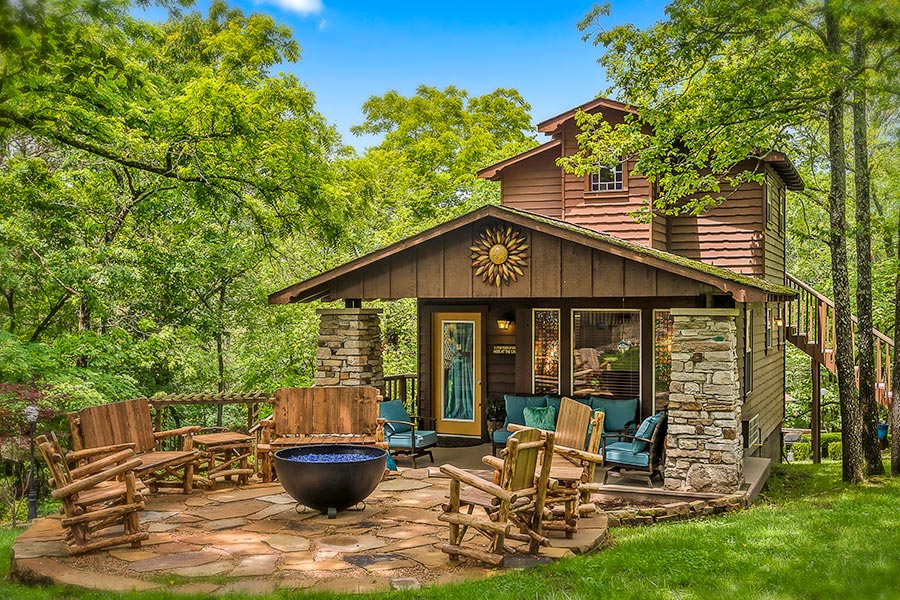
x=865 y=340
x=851 y=423
x=84 y=324
x=895 y=372
x=220 y=352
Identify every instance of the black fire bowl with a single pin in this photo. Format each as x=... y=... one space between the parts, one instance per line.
x=350 y=474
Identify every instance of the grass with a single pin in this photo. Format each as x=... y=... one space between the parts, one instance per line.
x=808 y=537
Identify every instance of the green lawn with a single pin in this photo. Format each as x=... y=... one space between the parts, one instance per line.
x=808 y=537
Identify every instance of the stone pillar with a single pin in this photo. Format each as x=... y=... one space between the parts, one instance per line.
x=704 y=449
x=349 y=351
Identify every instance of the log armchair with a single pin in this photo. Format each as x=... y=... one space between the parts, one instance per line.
x=98 y=431
x=573 y=465
x=318 y=415
x=96 y=497
x=515 y=501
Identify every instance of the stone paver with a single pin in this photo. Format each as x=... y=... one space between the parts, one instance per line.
x=414 y=542
x=229 y=510
x=257 y=565
x=132 y=554
x=46 y=570
x=407 y=531
x=366 y=584
x=402 y=485
x=278 y=499
x=174 y=561
x=285 y=542
x=306 y=563
x=219 y=567
x=348 y=543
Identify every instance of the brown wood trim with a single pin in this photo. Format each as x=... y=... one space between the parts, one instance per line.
x=493 y=172
x=550 y=125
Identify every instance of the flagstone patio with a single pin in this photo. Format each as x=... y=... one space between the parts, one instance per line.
x=253 y=540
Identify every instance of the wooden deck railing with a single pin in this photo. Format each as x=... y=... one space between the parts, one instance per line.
x=810 y=325
x=403 y=387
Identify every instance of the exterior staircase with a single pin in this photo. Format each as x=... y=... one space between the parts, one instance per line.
x=809 y=325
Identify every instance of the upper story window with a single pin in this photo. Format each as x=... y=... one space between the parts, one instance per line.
x=607 y=179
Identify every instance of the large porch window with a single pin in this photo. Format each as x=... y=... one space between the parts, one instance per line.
x=606 y=353
x=546 y=351
x=663 y=334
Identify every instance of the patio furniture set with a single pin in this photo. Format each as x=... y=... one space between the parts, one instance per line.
x=542 y=479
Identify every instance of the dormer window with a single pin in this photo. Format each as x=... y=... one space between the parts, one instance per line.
x=607 y=179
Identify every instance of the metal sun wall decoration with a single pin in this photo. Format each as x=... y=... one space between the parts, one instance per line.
x=499 y=256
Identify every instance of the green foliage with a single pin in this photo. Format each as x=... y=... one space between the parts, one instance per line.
x=834 y=450
x=802 y=450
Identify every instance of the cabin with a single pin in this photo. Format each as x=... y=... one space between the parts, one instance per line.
x=560 y=291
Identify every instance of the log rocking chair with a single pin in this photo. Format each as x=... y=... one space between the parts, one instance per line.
x=515 y=501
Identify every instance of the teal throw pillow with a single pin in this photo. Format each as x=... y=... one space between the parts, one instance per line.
x=644 y=431
x=541 y=418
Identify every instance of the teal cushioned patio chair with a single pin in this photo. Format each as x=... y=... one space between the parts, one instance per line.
x=403 y=435
x=638 y=455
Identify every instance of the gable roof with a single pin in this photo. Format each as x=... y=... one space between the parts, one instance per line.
x=550 y=125
x=493 y=172
x=744 y=288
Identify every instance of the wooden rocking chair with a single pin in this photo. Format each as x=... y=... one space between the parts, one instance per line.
x=517 y=500
x=95 y=497
x=98 y=431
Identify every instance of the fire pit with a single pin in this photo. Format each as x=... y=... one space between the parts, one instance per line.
x=330 y=477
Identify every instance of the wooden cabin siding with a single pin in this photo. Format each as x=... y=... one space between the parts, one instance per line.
x=556 y=268
x=775 y=230
x=609 y=212
x=659 y=233
x=730 y=235
x=767 y=396
x=534 y=185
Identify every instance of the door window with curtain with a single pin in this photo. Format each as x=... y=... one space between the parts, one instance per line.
x=457 y=342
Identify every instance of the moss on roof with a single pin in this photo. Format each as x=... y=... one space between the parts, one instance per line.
x=696 y=265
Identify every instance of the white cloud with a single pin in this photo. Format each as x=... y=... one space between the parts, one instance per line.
x=303 y=7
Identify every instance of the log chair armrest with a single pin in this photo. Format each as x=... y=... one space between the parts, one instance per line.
x=97 y=478
x=479 y=483
x=190 y=430
x=77 y=455
x=259 y=426
x=516 y=427
x=101 y=463
x=578 y=454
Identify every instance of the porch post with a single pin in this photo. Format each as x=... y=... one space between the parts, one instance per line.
x=349 y=351
x=704 y=449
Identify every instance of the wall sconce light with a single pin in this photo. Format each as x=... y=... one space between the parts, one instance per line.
x=505 y=322
x=779 y=322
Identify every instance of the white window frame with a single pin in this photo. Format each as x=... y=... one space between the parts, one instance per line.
x=616 y=184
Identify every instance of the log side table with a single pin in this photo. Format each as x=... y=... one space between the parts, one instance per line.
x=224 y=455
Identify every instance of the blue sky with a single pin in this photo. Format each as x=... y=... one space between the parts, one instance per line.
x=355 y=49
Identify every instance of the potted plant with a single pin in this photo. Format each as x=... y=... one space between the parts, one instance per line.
x=495 y=411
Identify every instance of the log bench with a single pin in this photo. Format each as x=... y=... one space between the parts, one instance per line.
x=318 y=415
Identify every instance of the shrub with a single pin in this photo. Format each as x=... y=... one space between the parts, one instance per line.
x=835 y=450
x=824 y=441
x=802 y=451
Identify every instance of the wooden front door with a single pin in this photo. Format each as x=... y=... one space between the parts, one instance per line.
x=456 y=365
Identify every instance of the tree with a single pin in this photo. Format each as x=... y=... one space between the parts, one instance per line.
x=153 y=169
